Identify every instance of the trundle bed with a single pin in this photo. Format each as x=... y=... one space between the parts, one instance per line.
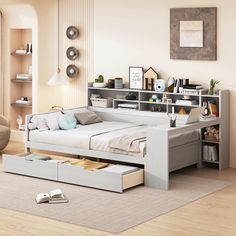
x=164 y=150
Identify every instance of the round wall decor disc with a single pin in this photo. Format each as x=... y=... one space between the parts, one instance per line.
x=72 y=53
x=72 y=71
x=72 y=32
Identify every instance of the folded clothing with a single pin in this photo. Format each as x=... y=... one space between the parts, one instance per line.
x=128 y=143
x=120 y=169
x=90 y=165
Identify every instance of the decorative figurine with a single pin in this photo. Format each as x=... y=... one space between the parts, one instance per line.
x=19 y=121
x=160 y=85
x=171 y=84
x=150 y=78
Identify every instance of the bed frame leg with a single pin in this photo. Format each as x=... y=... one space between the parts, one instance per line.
x=157 y=163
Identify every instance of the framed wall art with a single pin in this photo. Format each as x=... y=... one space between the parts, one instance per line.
x=193 y=33
x=135 y=77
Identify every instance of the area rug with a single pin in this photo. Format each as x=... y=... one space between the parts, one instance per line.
x=103 y=210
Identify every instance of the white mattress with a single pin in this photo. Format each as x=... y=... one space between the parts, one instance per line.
x=79 y=137
x=97 y=136
x=100 y=142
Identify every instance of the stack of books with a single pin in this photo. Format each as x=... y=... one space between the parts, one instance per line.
x=128 y=106
x=23 y=76
x=23 y=102
x=210 y=153
x=192 y=89
x=186 y=102
x=20 y=51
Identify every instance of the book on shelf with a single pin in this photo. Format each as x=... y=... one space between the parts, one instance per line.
x=23 y=76
x=128 y=106
x=54 y=196
x=193 y=91
x=210 y=153
x=22 y=102
x=185 y=102
x=20 y=51
x=193 y=86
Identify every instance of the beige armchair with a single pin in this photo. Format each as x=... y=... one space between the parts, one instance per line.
x=4 y=132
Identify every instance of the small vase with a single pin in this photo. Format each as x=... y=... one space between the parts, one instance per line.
x=211 y=90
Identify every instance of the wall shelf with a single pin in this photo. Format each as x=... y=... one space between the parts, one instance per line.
x=21 y=81
x=20 y=63
x=211 y=141
x=21 y=54
x=21 y=105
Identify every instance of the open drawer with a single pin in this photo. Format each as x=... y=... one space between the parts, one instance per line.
x=99 y=178
x=37 y=168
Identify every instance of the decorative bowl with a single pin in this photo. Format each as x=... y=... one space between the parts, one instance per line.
x=99 y=85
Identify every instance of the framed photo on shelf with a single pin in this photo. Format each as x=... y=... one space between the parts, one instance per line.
x=135 y=77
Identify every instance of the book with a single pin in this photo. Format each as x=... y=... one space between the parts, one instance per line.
x=193 y=86
x=20 y=51
x=193 y=91
x=23 y=76
x=29 y=102
x=128 y=105
x=186 y=102
x=54 y=196
x=210 y=153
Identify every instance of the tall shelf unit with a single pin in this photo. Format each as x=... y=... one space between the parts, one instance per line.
x=144 y=105
x=19 y=64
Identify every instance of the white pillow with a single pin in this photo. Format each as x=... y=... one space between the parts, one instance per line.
x=51 y=120
x=45 y=121
x=38 y=122
x=41 y=124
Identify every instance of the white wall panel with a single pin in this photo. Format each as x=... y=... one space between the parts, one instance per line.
x=80 y=14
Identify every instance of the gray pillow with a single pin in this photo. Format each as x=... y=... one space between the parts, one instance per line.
x=87 y=117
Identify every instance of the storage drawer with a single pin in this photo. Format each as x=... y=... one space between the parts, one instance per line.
x=41 y=169
x=98 y=178
x=185 y=155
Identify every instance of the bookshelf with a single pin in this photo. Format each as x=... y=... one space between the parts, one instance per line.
x=221 y=99
x=20 y=63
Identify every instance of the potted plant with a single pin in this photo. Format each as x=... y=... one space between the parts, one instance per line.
x=99 y=82
x=213 y=83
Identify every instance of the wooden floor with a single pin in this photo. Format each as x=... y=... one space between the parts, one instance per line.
x=214 y=214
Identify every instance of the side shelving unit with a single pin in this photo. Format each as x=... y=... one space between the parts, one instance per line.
x=220 y=147
x=20 y=63
x=215 y=151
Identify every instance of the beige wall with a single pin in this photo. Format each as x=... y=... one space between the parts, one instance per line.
x=127 y=32
x=79 y=13
x=137 y=33
x=44 y=46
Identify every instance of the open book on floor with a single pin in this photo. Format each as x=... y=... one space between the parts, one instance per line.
x=54 y=196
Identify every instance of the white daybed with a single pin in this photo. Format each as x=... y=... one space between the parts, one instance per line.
x=167 y=149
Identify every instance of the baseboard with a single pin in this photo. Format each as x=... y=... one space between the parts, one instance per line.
x=17 y=135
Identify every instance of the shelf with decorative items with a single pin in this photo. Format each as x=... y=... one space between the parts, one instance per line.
x=157 y=102
x=20 y=76
x=21 y=54
x=21 y=105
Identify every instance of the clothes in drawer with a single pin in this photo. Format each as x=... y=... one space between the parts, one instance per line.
x=99 y=178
